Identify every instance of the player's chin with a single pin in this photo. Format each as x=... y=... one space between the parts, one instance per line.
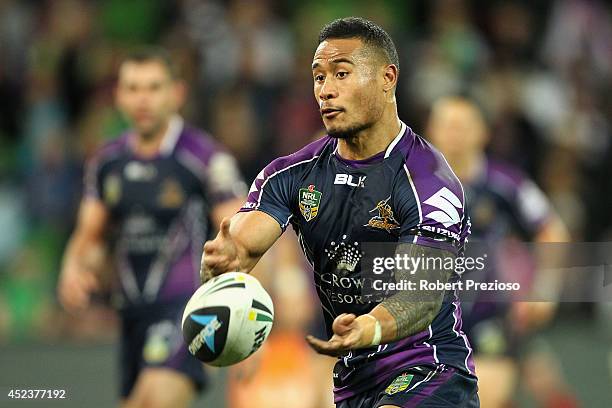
x=339 y=132
x=146 y=127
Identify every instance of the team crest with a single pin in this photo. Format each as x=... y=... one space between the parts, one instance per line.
x=171 y=194
x=158 y=343
x=385 y=219
x=309 y=202
x=400 y=384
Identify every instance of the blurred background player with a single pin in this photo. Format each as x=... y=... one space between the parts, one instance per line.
x=154 y=192
x=504 y=206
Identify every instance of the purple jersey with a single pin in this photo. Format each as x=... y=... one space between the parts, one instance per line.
x=159 y=209
x=406 y=194
x=502 y=201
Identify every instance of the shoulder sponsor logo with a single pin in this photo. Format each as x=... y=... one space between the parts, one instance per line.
x=349 y=180
x=137 y=171
x=259 y=177
x=447 y=204
x=309 y=202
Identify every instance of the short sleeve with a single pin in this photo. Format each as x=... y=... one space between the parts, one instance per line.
x=270 y=193
x=431 y=214
x=92 y=179
x=531 y=207
x=224 y=181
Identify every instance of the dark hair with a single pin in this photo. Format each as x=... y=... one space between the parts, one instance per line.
x=151 y=53
x=367 y=31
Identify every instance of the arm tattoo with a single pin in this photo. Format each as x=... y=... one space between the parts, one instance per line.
x=414 y=310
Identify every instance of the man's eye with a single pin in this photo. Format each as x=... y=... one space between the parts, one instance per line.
x=319 y=78
x=342 y=74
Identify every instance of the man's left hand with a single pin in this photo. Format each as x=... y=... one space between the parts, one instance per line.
x=350 y=332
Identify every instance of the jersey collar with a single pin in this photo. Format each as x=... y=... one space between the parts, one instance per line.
x=396 y=140
x=169 y=140
x=175 y=128
x=391 y=146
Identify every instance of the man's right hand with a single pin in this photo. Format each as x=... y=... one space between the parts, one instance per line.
x=221 y=254
x=75 y=288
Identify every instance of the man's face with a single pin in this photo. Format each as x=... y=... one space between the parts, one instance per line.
x=347 y=86
x=456 y=128
x=147 y=95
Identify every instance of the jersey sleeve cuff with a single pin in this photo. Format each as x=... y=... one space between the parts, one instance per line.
x=283 y=223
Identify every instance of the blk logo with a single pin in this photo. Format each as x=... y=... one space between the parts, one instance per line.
x=349 y=180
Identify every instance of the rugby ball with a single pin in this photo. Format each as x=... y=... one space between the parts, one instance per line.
x=227 y=319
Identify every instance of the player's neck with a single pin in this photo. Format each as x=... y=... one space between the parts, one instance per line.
x=370 y=141
x=149 y=145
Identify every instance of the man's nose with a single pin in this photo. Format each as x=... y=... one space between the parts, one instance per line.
x=328 y=90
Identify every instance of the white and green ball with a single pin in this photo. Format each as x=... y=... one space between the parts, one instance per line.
x=227 y=319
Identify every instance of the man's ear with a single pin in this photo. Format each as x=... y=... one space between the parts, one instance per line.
x=390 y=77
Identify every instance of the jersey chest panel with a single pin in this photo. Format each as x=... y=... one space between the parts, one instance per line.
x=158 y=188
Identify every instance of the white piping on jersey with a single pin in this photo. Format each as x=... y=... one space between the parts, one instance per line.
x=300 y=238
x=463 y=336
x=175 y=242
x=418 y=200
x=159 y=269
x=287 y=222
x=278 y=172
x=192 y=163
x=175 y=127
x=435 y=353
x=462 y=194
x=334 y=314
x=396 y=140
x=126 y=275
x=460 y=184
x=91 y=174
x=429 y=376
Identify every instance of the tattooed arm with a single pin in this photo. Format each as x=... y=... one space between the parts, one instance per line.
x=401 y=315
x=409 y=312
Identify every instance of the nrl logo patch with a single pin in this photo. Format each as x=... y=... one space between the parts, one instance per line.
x=385 y=219
x=309 y=202
x=401 y=383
